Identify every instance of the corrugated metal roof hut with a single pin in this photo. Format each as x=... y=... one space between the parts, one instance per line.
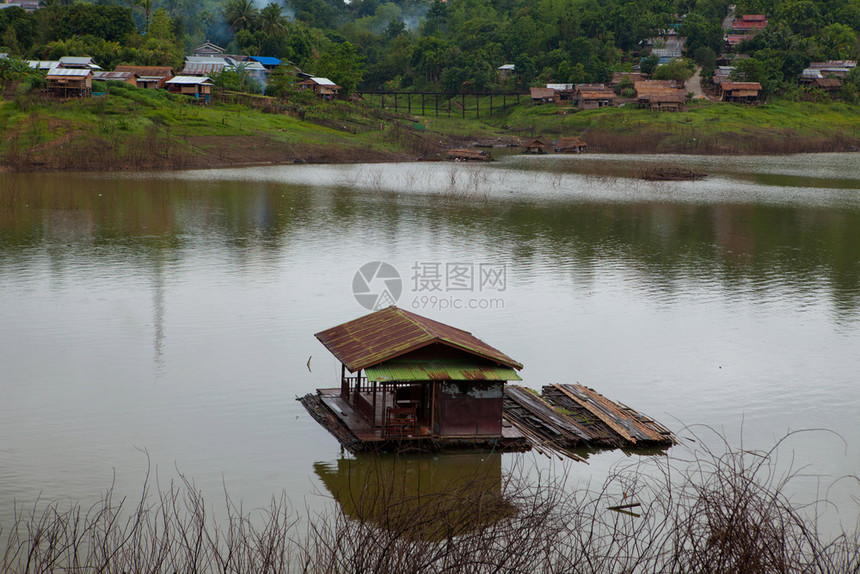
x=322 y=87
x=570 y=145
x=200 y=88
x=149 y=77
x=67 y=83
x=420 y=377
x=126 y=77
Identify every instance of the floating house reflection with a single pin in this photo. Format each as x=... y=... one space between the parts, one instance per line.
x=429 y=497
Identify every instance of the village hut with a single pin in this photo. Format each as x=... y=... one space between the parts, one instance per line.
x=740 y=92
x=195 y=86
x=593 y=96
x=830 y=85
x=67 y=83
x=505 y=71
x=149 y=77
x=535 y=147
x=542 y=95
x=661 y=95
x=124 y=77
x=208 y=49
x=570 y=145
x=407 y=376
x=322 y=87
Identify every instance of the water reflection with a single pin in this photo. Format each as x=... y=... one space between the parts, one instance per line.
x=175 y=312
x=425 y=496
x=739 y=247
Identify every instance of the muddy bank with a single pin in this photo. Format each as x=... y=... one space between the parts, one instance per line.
x=695 y=142
x=157 y=151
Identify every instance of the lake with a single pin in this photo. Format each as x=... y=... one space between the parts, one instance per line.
x=166 y=320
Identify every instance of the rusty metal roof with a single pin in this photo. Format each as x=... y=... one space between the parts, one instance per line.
x=392 y=332
x=417 y=370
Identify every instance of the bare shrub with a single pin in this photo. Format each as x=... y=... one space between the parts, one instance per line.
x=712 y=510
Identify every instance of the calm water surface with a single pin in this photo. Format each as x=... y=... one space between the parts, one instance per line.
x=169 y=317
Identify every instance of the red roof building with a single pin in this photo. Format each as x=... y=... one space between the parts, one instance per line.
x=413 y=377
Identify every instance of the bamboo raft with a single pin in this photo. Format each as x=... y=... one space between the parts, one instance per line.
x=567 y=418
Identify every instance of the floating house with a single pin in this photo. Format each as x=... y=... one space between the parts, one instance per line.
x=408 y=383
x=465 y=154
x=407 y=377
x=571 y=144
x=535 y=147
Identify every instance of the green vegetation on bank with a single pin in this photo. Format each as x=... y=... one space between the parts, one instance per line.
x=132 y=128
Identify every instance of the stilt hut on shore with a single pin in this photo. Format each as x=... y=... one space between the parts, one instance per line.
x=70 y=83
x=407 y=376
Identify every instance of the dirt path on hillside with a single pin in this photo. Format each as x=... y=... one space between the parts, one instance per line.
x=694 y=85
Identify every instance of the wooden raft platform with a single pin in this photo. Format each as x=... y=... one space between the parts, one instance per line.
x=356 y=434
x=567 y=420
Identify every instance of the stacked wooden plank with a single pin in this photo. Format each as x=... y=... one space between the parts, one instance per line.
x=546 y=428
x=634 y=427
x=572 y=417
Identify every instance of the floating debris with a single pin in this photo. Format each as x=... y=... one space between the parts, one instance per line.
x=670 y=173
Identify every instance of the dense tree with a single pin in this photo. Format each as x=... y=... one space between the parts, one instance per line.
x=272 y=20
x=241 y=14
x=342 y=64
x=679 y=70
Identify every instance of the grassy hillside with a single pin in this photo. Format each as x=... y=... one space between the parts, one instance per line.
x=704 y=127
x=130 y=129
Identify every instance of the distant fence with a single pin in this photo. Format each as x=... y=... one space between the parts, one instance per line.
x=451 y=102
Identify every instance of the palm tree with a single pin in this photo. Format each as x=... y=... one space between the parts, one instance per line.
x=146 y=5
x=241 y=14
x=272 y=20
